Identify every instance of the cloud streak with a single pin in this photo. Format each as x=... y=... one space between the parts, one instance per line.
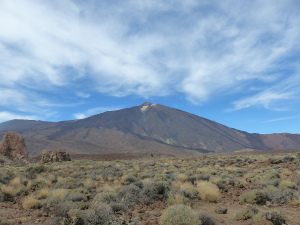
x=93 y=111
x=149 y=48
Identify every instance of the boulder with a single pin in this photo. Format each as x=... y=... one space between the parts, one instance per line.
x=55 y=156
x=13 y=146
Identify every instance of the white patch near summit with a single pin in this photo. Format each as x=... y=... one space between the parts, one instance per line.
x=144 y=108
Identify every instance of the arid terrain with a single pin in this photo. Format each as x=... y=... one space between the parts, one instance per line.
x=228 y=189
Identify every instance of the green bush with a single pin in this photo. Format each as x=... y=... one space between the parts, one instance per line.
x=284 y=185
x=74 y=217
x=32 y=171
x=151 y=191
x=100 y=214
x=179 y=215
x=254 y=197
x=76 y=196
x=129 y=195
x=277 y=218
x=281 y=197
x=105 y=197
x=62 y=209
x=246 y=213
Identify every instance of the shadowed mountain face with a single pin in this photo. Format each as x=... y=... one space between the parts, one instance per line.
x=148 y=128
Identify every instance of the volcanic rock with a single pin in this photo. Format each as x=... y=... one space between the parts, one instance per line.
x=55 y=156
x=13 y=146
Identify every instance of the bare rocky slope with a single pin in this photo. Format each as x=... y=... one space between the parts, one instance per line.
x=148 y=128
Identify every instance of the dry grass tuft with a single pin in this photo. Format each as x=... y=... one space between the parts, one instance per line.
x=59 y=193
x=177 y=199
x=181 y=177
x=8 y=190
x=16 y=182
x=43 y=193
x=208 y=191
x=29 y=202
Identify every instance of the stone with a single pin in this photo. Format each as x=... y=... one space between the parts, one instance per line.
x=221 y=210
x=13 y=146
x=55 y=156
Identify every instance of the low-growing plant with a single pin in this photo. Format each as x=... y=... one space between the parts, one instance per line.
x=152 y=190
x=33 y=171
x=246 y=213
x=59 y=193
x=16 y=182
x=129 y=195
x=181 y=177
x=284 y=185
x=100 y=214
x=43 y=193
x=62 y=209
x=105 y=197
x=177 y=199
x=208 y=191
x=29 y=202
x=8 y=191
x=179 y=214
x=128 y=180
x=76 y=196
x=73 y=217
x=277 y=218
x=281 y=197
x=254 y=197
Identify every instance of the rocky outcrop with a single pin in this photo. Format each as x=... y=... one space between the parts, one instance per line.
x=13 y=146
x=55 y=156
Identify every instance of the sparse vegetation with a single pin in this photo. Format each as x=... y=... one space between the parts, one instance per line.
x=173 y=190
x=179 y=214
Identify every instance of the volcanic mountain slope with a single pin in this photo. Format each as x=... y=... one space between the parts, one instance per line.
x=148 y=128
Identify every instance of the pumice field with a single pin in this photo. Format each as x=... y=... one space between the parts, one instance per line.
x=208 y=190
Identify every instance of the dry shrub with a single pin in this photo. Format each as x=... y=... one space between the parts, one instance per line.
x=29 y=202
x=59 y=193
x=42 y=179
x=295 y=202
x=16 y=182
x=8 y=190
x=208 y=191
x=29 y=185
x=177 y=199
x=181 y=177
x=89 y=183
x=254 y=197
x=43 y=193
x=179 y=214
x=176 y=185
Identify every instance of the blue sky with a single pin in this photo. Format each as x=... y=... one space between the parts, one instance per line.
x=234 y=62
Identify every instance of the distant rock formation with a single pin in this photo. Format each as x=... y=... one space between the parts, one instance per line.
x=13 y=146
x=55 y=156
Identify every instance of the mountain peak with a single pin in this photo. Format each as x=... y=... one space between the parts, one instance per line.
x=145 y=106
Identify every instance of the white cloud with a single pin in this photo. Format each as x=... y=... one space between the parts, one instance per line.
x=283 y=92
x=83 y=94
x=150 y=48
x=93 y=111
x=282 y=118
x=5 y=116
